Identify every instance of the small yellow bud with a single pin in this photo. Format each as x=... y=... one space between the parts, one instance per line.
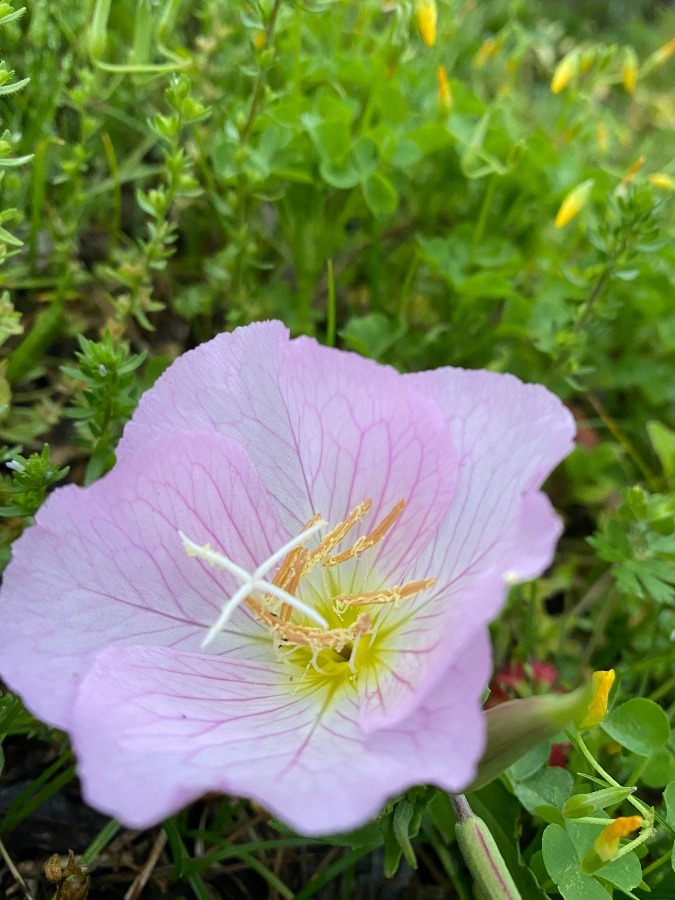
x=663 y=53
x=607 y=842
x=485 y=52
x=564 y=72
x=259 y=39
x=601 y=686
x=629 y=72
x=632 y=172
x=661 y=180
x=571 y=206
x=427 y=17
x=444 y=92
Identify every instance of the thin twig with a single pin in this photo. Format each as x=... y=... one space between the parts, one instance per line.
x=143 y=876
x=15 y=872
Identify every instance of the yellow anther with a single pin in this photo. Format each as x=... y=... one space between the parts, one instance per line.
x=607 y=842
x=368 y=540
x=597 y=709
x=318 y=639
x=386 y=595
x=337 y=535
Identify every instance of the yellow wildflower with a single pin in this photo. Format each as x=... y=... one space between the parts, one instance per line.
x=601 y=685
x=485 y=52
x=427 y=17
x=632 y=172
x=663 y=53
x=661 y=180
x=564 y=72
x=607 y=842
x=258 y=39
x=571 y=206
x=629 y=73
x=444 y=92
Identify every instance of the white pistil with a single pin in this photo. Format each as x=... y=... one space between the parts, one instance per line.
x=254 y=582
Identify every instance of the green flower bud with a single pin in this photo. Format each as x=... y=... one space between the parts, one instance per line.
x=482 y=855
x=581 y=805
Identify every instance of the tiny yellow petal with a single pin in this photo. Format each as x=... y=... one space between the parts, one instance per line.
x=564 y=72
x=258 y=39
x=664 y=53
x=629 y=73
x=607 y=842
x=427 y=17
x=444 y=92
x=486 y=51
x=597 y=710
x=661 y=180
x=573 y=203
x=632 y=172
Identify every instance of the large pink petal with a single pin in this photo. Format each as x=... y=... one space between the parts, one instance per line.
x=498 y=528
x=105 y=565
x=325 y=429
x=156 y=728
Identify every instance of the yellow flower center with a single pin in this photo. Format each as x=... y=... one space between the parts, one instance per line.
x=336 y=636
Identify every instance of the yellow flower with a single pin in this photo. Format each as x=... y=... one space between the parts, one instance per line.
x=629 y=73
x=485 y=52
x=564 y=72
x=661 y=180
x=663 y=53
x=607 y=842
x=632 y=172
x=427 y=17
x=571 y=206
x=444 y=92
x=258 y=39
x=601 y=685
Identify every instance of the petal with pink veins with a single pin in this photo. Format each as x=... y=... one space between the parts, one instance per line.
x=105 y=565
x=181 y=724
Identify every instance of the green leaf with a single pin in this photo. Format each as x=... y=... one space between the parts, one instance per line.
x=380 y=194
x=549 y=787
x=663 y=441
x=562 y=864
x=660 y=768
x=372 y=335
x=669 y=798
x=625 y=872
x=640 y=725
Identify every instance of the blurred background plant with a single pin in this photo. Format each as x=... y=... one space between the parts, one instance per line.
x=483 y=184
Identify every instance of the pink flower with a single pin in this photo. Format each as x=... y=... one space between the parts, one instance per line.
x=282 y=589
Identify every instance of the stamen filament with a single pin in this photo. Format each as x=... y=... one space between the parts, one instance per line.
x=254 y=582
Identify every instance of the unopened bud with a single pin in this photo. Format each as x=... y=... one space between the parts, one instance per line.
x=573 y=203
x=662 y=180
x=444 y=93
x=629 y=72
x=601 y=685
x=516 y=727
x=565 y=71
x=581 y=805
x=482 y=855
x=427 y=18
